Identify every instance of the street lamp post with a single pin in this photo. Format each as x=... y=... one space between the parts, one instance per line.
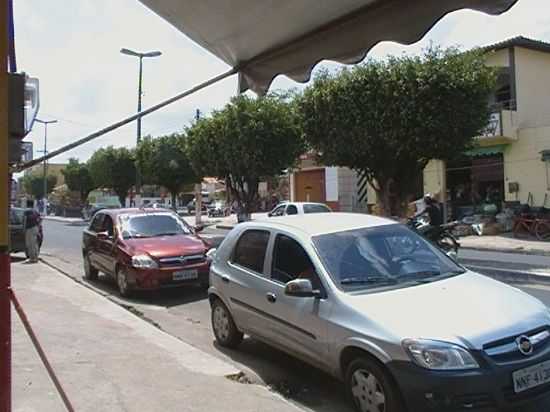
x=140 y=56
x=45 y=123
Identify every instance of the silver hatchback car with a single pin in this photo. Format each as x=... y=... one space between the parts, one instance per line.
x=374 y=304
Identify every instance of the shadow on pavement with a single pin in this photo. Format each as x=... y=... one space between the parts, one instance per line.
x=164 y=297
x=290 y=377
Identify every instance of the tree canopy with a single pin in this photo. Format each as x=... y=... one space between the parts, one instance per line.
x=34 y=184
x=78 y=178
x=113 y=168
x=246 y=141
x=164 y=162
x=387 y=119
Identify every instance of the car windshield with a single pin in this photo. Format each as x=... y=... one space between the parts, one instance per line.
x=384 y=256
x=152 y=225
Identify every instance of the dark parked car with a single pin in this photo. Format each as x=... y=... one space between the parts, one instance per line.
x=17 y=230
x=144 y=249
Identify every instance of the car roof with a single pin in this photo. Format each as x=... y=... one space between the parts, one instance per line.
x=135 y=211
x=319 y=223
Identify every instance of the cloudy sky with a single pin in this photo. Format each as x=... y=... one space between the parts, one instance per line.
x=73 y=47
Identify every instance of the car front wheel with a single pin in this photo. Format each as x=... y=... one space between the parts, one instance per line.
x=224 y=327
x=371 y=388
x=90 y=272
x=122 y=283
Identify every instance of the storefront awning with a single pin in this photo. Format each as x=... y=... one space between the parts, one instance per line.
x=265 y=38
x=486 y=151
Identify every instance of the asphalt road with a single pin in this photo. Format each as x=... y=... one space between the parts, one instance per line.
x=185 y=313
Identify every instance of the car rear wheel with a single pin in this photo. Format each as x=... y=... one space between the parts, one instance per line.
x=371 y=388
x=122 y=283
x=224 y=327
x=90 y=272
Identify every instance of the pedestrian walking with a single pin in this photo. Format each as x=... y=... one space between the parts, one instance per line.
x=31 y=235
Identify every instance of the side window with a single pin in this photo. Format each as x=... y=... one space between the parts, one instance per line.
x=291 y=210
x=291 y=261
x=316 y=209
x=96 y=225
x=16 y=217
x=279 y=211
x=250 y=250
x=108 y=225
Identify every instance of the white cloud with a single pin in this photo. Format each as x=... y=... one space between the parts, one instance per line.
x=73 y=48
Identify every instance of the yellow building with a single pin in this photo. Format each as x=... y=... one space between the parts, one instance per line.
x=52 y=169
x=512 y=159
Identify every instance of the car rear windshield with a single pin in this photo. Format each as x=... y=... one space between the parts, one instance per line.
x=384 y=256
x=316 y=209
x=152 y=225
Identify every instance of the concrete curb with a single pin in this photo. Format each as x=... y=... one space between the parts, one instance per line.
x=225 y=227
x=513 y=276
x=64 y=219
x=532 y=252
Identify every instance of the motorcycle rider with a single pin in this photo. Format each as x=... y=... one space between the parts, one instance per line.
x=434 y=214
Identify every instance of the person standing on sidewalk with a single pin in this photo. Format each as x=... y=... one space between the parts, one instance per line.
x=31 y=235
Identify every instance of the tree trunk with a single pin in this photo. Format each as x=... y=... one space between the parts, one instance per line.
x=174 y=206
x=198 y=204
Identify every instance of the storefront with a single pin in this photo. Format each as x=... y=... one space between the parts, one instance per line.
x=475 y=183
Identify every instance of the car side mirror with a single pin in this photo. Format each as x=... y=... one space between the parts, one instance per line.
x=103 y=235
x=301 y=288
x=211 y=254
x=453 y=255
x=199 y=228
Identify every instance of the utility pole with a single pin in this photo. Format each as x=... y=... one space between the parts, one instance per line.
x=45 y=151
x=198 y=189
x=129 y=52
x=5 y=284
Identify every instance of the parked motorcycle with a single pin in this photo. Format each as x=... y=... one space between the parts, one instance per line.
x=442 y=236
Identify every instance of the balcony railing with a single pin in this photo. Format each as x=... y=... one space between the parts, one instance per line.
x=502 y=121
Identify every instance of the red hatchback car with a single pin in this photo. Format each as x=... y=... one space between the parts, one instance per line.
x=144 y=249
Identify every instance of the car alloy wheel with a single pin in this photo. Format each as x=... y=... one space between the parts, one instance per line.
x=371 y=387
x=367 y=392
x=122 y=282
x=89 y=271
x=221 y=323
x=224 y=327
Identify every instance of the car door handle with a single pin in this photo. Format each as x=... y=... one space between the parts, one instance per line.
x=271 y=297
x=225 y=279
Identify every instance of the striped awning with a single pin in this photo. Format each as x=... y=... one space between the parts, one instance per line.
x=486 y=151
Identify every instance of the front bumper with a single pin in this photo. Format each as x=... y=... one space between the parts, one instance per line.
x=489 y=388
x=163 y=278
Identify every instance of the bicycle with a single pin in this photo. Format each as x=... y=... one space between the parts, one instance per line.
x=542 y=229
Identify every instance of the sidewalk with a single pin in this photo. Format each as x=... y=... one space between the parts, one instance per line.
x=108 y=359
x=230 y=222
x=506 y=243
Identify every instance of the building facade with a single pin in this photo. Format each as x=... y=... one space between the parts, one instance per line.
x=511 y=160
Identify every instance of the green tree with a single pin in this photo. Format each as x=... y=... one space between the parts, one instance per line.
x=114 y=169
x=78 y=178
x=245 y=142
x=164 y=162
x=34 y=184
x=387 y=119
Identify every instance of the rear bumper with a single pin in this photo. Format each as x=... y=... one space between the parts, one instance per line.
x=488 y=389
x=155 y=279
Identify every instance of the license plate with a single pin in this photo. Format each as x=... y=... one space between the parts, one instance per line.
x=186 y=274
x=532 y=376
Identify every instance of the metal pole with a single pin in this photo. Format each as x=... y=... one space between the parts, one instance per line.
x=5 y=282
x=198 y=189
x=45 y=195
x=138 y=174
